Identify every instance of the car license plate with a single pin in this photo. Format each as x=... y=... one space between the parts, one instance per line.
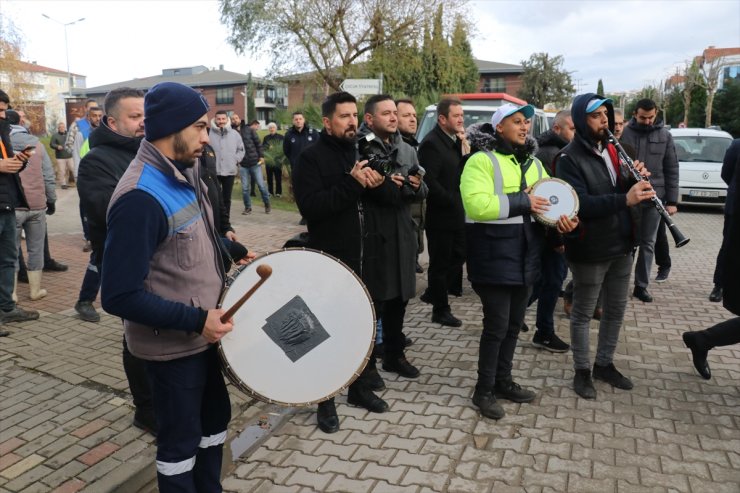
x=704 y=193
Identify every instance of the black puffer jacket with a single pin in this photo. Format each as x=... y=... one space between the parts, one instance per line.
x=99 y=173
x=550 y=144
x=606 y=229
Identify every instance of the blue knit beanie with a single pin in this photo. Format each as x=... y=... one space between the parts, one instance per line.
x=169 y=107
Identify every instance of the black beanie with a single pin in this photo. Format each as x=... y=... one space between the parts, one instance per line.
x=169 y=107
x=13 y=117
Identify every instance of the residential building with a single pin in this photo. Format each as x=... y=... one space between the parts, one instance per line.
x=40 y=91
x=224 y=90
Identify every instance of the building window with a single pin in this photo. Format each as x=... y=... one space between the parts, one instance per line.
x=225 y=95
x=494 y=84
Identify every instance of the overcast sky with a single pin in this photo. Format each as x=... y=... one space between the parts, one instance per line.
x=627 y=44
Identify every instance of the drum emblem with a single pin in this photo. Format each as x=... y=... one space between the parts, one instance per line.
x=295 y=329
x=554 y=199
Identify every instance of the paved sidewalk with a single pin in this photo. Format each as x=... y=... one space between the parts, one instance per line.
x=65 y=411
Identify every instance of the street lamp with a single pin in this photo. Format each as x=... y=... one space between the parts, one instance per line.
x=66 y=48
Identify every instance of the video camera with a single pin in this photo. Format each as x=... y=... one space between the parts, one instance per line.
x=386 y=164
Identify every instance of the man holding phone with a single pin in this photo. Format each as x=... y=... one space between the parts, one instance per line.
x=10 y=197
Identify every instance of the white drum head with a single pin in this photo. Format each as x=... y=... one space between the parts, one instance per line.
x=563 y=200
x=303 y=336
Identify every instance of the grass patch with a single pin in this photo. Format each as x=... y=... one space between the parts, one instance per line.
x=284 y=203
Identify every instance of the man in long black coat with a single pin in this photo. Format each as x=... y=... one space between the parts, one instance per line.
x=440 y=154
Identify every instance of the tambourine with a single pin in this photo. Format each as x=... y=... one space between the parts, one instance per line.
x=563 y=200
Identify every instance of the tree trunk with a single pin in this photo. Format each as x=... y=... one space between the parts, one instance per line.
x=710 y=102
x=686 y=106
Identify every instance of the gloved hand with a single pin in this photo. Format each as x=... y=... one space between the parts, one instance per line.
x=51 y=208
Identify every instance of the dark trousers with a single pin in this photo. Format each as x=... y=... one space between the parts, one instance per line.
x=547 y=290
x=227 y=186
x=392 y=313
x=91 y=280
x=192 y=407
x=274 y=180
x=138 y=383
x=446 y=258
x=662 y=249
x=720 y=265
x=83 y=219
x=503 y=316
x=723 y=334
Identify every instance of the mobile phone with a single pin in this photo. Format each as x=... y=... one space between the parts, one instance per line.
x=29 y=150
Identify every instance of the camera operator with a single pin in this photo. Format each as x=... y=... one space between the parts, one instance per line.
x=391 y=236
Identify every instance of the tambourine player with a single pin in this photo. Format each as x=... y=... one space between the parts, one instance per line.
x=503 y=244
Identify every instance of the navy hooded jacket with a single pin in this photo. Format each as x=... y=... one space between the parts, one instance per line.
x=606 y=229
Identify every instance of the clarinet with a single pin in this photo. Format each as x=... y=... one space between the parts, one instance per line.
x=678 y=237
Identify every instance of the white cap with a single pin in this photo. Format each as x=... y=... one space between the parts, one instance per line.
x=509 y=109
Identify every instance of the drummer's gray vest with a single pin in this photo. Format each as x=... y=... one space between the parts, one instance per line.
x=183 y=268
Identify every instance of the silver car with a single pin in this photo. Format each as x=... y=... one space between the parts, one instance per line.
x=700 y=152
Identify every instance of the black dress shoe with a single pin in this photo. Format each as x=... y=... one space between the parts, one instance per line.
x=698 y=354
x=446 y=318
x=379 y=351
x=363 y=397
x=326 y=415
x=716 y=294
x=642 y=294
x=54 y=266
x=419 y=268
x=455 y=292
x=401 y=366
x=426 y=298
x=407 y=341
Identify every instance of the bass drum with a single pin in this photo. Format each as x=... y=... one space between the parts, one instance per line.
x=302 y=337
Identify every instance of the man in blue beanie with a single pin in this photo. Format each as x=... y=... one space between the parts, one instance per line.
x=163 y=274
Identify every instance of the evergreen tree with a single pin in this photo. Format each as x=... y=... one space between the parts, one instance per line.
x=600 y=88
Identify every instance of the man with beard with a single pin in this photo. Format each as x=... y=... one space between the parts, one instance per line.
x=440 y=153
x=229 y=148
x=163 y=275
x=332 y=189
x=112 y=148
x=503 y=244
x=600 y=251
x=654 y=146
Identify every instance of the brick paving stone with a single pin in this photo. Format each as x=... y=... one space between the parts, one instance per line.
x=675 y=481
x=22 y=466
x=62 y=474
x=414 y=477
x=8 y=459
x=71 y=486
x=579 y=484
x=98 y=453
x=301 y=477
x=343 y=484
x=29 y=477
x=345 y=467
x=10 y=445
x=530 y=477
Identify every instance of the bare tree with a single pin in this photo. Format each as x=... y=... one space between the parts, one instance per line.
x=711 y=68
x=328 y=36
x=693 y=79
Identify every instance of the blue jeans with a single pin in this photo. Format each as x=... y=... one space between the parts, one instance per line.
x=256 y=173
x=547 y=290
x=8 y=257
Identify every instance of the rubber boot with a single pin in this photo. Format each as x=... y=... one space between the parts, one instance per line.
x=34 y=282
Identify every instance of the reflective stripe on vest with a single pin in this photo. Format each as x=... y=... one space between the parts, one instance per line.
x=498 y=189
